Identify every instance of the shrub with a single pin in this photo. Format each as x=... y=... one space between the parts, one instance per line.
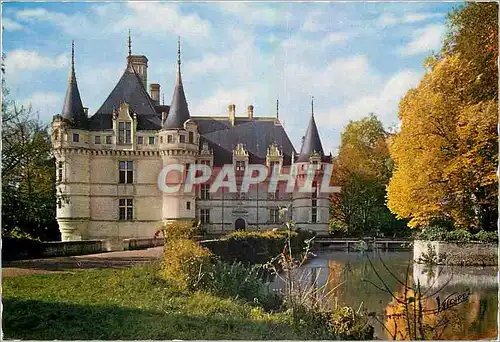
x=432 y=233
x=459 y=235
x=14 y=248
x=185 y=263
x=238 y=281
x=484 y=236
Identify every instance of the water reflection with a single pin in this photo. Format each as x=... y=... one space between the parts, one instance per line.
x=468 y=296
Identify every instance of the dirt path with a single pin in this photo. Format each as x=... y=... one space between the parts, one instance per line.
x=118 y=259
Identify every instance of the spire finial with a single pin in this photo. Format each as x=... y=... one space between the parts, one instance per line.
x=179 y=50
x=163 y=98
x=129 y=44
x=312 y=105
x=277 y=108
x=72 y=55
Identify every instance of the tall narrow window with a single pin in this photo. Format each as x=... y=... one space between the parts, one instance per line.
x=273 y=215
x=126 y=172
x=109 y=140
x=124 y=132
x=60 y=171
x=314 y=215
x=170 y=139
x=191 y=137
x=151 y=140
x=188 y=205
x=76 y=137
x=205 y=216
x=205 y=192
x=240 y=165
x=126 y=209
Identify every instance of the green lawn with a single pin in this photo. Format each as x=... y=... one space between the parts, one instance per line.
x=127 y=304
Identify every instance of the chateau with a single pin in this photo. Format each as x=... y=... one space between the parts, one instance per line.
x=108 y=164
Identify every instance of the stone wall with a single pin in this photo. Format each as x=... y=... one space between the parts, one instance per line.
x=456 y=253
x=130 y=244
x=66 y=248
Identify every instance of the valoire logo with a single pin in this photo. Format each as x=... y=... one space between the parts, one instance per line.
x=171 y=179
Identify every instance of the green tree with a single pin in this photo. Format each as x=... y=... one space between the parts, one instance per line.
x=446 y=154
x=362 y=168
x=28 y=174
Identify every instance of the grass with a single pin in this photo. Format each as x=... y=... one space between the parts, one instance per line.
x=127 y=304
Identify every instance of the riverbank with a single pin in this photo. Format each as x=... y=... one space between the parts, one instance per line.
x=129 y=304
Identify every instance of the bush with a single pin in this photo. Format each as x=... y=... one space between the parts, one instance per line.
x=185 y=263
x=484 y=236
x=432 y=233
x=252 y=248
x=21 y=248
x=238 y=281
x=459 y=235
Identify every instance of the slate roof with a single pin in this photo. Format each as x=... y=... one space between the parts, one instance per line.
x=311 y=143
x=72 y=107
x=179 y=112
x=131 y=90
x=255 y=135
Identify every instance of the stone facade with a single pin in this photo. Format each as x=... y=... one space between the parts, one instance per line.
x=108 y=165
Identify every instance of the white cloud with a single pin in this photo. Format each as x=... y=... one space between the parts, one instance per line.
x=335 y=38
x=46 y=104
x=424 y=40
x=20 y=59
x=162 y=18
x=252 y=14
x=389 y=19
x=11 y=25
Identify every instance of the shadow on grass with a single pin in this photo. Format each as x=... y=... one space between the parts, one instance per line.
x=40 y=320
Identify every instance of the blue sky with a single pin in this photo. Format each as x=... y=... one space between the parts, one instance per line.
x=354 y=58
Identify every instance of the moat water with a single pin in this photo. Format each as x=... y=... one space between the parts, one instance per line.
x=458 y=302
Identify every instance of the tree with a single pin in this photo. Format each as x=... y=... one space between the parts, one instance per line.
x=362 y=168
x=28 y=174
x=446 y=154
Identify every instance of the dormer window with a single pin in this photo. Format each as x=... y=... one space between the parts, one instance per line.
x=124 y=132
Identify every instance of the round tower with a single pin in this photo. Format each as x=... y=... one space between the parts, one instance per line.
x=178 y=143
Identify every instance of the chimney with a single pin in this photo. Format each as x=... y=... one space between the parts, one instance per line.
x=250 y=112
x=140 y=64
x=154 y=92
x=232 y=113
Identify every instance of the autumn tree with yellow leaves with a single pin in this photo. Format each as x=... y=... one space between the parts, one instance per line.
x=446 y=153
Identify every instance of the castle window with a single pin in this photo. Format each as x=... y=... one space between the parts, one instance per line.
x=140 y=140
x=76 y=137
x=170 y=139
x=205 y=162
x=314 y=215
x=124 y=132
x=314 y=190
x=126 y=209
x=182 y=138
x=161 y=140
x=240 y=165
x=188 y=205
x=272 y=164
x=205 y=192
x=108 y=139
x=126 y=172
x=314 y=203
x=97 y=139
x=205 y=216
x=273 y=215
x=191 y=137
x=151 y=140
x=60 y=171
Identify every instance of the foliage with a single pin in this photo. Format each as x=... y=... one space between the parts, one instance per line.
x=431 y=257
x=185 y=264
x=20 y=247
x=446 y=154
x=461 y=235
x=251 y=248
x=239 y=281
x=28 y=174
x=362 y=169
x=432 y=233
x=484 y=236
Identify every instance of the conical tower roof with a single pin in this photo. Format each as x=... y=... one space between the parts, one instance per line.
x=179 y=112
x=311 y=142
x=73 y=108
